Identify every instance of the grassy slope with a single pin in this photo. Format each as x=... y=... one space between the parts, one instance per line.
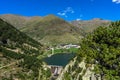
x=53 y=29
x=65 y=39
x=15 y=46
x=91 y=25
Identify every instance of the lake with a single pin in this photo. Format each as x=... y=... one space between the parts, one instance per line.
x=60 y=59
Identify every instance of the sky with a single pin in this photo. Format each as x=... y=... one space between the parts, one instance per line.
x=66 y=9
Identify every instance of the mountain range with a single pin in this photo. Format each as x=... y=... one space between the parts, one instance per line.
x=51 y=29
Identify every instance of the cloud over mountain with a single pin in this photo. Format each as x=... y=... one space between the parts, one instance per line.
x=68 y=10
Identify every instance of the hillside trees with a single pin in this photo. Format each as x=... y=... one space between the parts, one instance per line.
x=16 y=47
x=102 y=48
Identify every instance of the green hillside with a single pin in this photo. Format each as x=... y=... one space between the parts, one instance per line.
x=18 y=54
x=45 y=29
x=103 y=50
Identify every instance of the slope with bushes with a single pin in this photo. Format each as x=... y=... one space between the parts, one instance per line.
x=18 y=54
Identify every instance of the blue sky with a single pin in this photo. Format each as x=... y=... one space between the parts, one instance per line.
x=66 y=9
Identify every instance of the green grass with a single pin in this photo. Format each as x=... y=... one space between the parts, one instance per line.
x=66 y=38
x=71 y=50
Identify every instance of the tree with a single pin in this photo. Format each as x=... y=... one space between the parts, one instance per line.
x=102 y=47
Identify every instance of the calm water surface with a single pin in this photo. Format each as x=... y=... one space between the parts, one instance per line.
x=60 y=59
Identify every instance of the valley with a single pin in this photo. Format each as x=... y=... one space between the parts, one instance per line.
x=50 y=48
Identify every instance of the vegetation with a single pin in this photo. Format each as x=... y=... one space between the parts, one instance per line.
x=102 y=48
x=70 y=50
x=18 y=53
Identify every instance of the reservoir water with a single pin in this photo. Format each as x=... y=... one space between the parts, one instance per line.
x=60 y=59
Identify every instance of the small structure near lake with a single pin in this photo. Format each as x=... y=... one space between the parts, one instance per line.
x=55 y=70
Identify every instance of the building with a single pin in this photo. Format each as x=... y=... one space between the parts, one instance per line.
x=67 y=46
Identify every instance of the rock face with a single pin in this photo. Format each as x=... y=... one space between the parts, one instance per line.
x=80 y=72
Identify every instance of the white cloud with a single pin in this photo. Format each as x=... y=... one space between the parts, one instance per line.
x=78 y=19
x=62 y=14
x=68 y=10
x=116 y=1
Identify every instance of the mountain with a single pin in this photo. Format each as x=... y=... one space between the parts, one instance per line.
x=18 y=54
x=47 y=30
x=53 y=30
x=90 y=25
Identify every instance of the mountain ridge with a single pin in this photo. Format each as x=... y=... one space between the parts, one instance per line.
x=49 y=25
x=90 y=25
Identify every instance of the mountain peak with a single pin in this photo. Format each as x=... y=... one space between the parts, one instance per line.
x=51 y=15
x=97 y=19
